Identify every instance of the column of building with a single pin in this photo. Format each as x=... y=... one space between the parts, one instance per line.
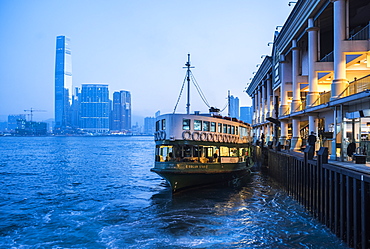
x=312 y=75
x=296 y=102
x=340 y=82
x=264 y=107
x=269 y=108
x=284 y=101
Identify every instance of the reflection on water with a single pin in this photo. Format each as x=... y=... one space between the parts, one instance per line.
x=98 y=192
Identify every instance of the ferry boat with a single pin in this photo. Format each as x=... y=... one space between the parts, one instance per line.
x=194 y=150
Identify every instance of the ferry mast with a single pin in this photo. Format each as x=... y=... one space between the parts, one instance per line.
x=188 y=66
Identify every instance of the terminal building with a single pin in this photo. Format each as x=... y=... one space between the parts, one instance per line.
x=317 y=79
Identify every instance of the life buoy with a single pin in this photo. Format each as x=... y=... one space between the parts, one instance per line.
x=203 y=136
x=220 y=138
x=196 y=136
x=210 y=137
x=215 y=137
x=224 y=138
x=186 y=135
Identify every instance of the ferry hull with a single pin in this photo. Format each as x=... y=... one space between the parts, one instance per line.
x=185 y=179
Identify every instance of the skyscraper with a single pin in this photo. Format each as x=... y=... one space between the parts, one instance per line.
x=246 y=114
x=149 y=125
x=121 y=114
x=234 y=106
x=63 y=83
x=94 y=108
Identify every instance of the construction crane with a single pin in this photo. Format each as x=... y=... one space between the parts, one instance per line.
x=31 y=110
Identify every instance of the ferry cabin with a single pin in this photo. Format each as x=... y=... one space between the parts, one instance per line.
x=201 y=139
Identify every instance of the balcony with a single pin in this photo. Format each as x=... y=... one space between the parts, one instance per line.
x=356 y=86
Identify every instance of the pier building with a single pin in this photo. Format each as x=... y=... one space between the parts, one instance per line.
x=316 y=79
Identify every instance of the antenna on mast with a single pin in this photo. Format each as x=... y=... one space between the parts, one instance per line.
x=188 y=66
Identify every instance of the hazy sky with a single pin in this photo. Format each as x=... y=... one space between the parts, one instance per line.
x=136 y=45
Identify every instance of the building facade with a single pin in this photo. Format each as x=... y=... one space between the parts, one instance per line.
x=234 y=106
x=13 y=121
x=94 y=108
x=317 y=78
x=246 y=113
x=63 y=83
x=121 y=113
x=149 y=125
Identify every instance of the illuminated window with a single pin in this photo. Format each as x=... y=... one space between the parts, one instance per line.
x=186 y=124
x=197 y=125
x=206 y=126
x=213 y=127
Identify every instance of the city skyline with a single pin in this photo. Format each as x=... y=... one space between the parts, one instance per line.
x=137 y=46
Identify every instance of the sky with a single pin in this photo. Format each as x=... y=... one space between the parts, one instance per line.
x=135 y=45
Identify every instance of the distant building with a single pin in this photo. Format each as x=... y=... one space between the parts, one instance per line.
x=234 y=107
x=121 y=113
x=30 y=128
x=75 y=109
x=94 y=108
x=63 y=83
x=246 y=114
x=136 y=129
x=149 y=125
x=13 y=121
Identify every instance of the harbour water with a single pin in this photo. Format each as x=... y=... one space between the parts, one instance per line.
x=98 y=192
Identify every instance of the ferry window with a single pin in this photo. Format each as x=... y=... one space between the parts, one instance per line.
x=157 y=125
x=164 y=154
x=232 y=129
x=186 y=124
x=213 y=127
x=163 y=124
x=233 y=152
x=236 y=130
x=228 y=129
x=219 y=127
x=197 y=151
x=225 y=128
x=224 y=151
x=206 y=126
x=197 y=125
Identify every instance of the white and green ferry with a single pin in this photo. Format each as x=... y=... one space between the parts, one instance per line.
x=195 y=150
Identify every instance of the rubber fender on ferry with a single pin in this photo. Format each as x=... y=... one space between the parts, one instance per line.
x=196 y=136
x=203 y=136
x=186 y=135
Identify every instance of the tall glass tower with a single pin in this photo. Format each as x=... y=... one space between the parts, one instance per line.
x=121 y=114
x=63 y=83
x=94 y=108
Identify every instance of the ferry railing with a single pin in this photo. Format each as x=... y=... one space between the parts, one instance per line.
x=356 y=86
